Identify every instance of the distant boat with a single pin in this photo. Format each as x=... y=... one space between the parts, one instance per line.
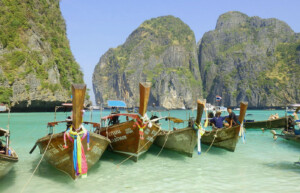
x=292 y=108
x=133 y=137
x=221 y=108
x=95 y=107
x=236 y=109
x=292 y=112
x=59 y=148
x=290 y=132
x=268 y=124
x=210 y=107
x=8 y=157
x=292 y=136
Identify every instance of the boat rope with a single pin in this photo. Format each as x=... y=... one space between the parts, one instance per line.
x=215 y=136
x=164 y=143
x=25 y=186
x=118 y=165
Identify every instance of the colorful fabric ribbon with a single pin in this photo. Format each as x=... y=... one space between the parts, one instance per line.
x=200 y=132
x=79 y=159
x=242 y=132
x=141 y=129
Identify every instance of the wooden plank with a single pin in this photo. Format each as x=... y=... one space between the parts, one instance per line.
x=243 y=109
x=78 y=92
x=200 y=108
x=144 y=97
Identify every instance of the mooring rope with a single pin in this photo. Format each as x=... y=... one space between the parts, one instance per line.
x=118 y=165
x=25 y=186
x=215 y=136
x=164 y=143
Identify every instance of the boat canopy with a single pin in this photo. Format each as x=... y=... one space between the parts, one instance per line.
x=114 y=103
x=131 y=115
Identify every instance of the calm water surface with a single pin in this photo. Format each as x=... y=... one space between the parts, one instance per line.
x=260 y=165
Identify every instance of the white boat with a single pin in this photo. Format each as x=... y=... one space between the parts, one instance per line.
x=210 y=107
x=95 y=107
x=221 y=108
x=292 y=108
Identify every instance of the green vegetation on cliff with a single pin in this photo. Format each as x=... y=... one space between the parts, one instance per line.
x=161 y=50
x=258 y=59
x=169 y=29
x=32 y=41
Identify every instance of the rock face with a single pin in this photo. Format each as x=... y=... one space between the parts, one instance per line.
x=162 y=51
x=250 y=59
x=37 y=66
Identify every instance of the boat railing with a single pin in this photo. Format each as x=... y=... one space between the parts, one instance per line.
x=51 y=125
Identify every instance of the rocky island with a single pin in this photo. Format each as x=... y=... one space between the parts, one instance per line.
x=162 y=51
x=37 y=66
x=243 y=59
x=250 y=59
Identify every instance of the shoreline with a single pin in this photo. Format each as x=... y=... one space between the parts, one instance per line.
x=52 y=109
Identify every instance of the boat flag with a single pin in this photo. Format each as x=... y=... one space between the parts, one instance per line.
x=218 y=98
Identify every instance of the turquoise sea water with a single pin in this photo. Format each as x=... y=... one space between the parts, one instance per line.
x=260 y=165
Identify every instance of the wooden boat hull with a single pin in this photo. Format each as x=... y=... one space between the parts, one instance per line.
x=125 y=138
x=291 y=137
x=183 y=141
x=227 y=138
x=268 y=124
x=7 y=162
x=62 y=158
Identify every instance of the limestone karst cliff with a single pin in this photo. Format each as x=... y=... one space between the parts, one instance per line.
x=36 y=63
x=250 y=59
x=162 y=51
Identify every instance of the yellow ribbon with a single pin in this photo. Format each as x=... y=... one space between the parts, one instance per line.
x=201 y=130
x=79 y=144
x=206 y=121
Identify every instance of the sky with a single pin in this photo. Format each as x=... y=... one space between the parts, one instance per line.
x=94 y=26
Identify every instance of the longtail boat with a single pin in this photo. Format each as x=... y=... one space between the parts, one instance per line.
x=226 y=138
x=290 y=132
x=133 y=137
x=76 y=150
x=183 y=140
x=287 y=135
x=269 y=124
x=8 y=157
